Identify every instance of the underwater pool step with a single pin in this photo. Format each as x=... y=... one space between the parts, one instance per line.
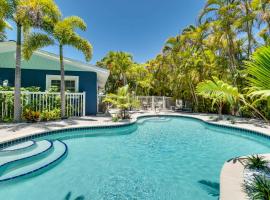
x=18 y=148
x=41 y=147
x=59 y=151
x=153 y=119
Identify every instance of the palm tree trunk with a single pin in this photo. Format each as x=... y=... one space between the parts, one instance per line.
x=220 y=111
x=62 y=91
x=248 y=28
x=193 y=95
x=17 y=92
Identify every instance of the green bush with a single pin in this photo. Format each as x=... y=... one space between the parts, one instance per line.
x=256 y=162
x=54 y=114
x=259 y=188
x=115 y=119
x=31 y=116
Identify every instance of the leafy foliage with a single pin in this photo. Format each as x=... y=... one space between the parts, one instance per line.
x=31 y=115
x=259 y=188
x=258 y=70
x=49 y=115
x=219 y=92
x=256 y=162
x=122 y=100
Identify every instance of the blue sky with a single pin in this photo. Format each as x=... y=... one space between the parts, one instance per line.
x=139 y=27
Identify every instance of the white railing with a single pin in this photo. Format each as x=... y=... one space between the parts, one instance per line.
x=41 y=101
x=156 y=102
x=146 y=103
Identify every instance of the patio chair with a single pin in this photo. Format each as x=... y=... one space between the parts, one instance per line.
x=179 y=105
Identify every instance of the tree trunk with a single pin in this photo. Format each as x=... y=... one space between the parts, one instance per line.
x=193 y=95
x=220 y=111
x=62 y=91
x=248 y=29
x=17 y=92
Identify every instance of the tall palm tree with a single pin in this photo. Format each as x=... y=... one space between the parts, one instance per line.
x=118 y=63
x=261 y=9
x=26 y=14
x=222 y=15
x=63 y=33
x=245 y=23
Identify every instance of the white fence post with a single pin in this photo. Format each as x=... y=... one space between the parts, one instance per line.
x=84 y=97
x=153 y=102
x=164 y=103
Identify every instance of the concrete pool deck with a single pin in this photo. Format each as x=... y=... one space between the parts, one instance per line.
x=11 y=131
x=231 y=178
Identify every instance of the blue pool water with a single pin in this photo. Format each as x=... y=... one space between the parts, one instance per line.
x=157 y=158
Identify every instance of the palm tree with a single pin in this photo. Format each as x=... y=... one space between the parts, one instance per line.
x=261 y=9
x=219 y=92
x=64 y=33
x=3 y=23
x=222 y=14
x=26 y=14
x=118 y=63
x=245 y=23
x=123 y=100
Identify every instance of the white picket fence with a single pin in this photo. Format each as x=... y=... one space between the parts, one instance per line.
x=40 y=101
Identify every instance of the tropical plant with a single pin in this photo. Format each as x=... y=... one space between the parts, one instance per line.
x=64 y=33
x=118 y=63
x=31 y=115
x=258 y=188
x=261 y=9
x=256 y=162
x=26 y=14
x=223 y=14
x=3 y=23
x=48 y=115
x=123 y=100
x=258 y=70
x=219 y=92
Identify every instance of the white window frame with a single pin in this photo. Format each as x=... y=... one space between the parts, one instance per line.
x=49 y=79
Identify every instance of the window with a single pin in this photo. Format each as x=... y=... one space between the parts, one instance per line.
x=71 y=82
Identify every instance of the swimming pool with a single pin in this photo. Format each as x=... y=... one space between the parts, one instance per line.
x=166 y=158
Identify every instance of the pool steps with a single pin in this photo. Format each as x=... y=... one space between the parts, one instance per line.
x=20 y=146
x=20 y=164
x=153 y=119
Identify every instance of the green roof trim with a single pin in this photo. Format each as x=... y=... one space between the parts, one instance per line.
x=42 y=60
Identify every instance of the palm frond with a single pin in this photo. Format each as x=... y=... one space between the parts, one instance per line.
x=82 y=45
x=258 y=70
x=35 y=41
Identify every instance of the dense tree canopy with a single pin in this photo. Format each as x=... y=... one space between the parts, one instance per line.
x=228 y=32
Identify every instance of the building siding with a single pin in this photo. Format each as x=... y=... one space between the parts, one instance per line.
x=31 y=77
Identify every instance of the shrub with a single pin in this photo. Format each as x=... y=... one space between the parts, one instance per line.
x=54 y=114
x=31 y=116
x=256 y=162
x=259 y=188
x=115 y=119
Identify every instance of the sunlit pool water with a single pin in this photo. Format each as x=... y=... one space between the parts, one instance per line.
x=157 y=158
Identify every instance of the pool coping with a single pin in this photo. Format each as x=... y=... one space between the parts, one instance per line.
x=229 y=176
x=36 y=134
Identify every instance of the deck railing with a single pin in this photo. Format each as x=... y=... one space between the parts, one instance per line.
x=41 y=101
x=156 y=102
